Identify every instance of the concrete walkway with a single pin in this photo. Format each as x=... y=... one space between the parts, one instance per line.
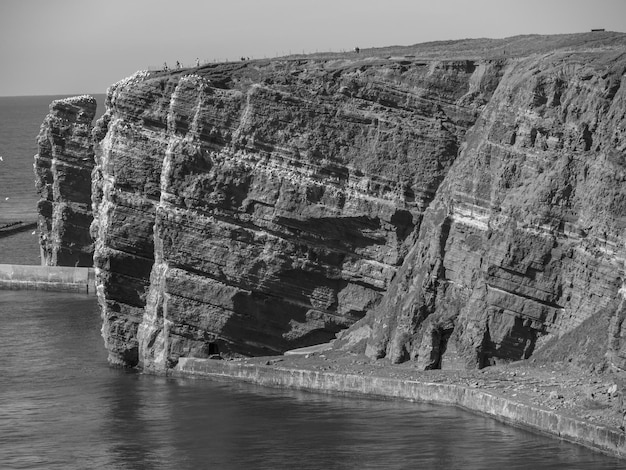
x=50 y=278
x=309 y=349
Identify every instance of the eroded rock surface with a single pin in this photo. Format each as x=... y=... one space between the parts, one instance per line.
x=456 y=205
x=524 y=242
x=253 y=208
x=63 y=180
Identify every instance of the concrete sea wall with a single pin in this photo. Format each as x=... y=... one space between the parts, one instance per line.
x=548 y=422
x=51 y=278
x=16 y=227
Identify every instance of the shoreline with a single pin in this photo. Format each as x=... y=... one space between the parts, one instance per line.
x=457 y=388
x=517 y=394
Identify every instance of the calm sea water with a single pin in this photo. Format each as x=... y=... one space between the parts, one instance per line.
x=63 y=407
x=20 y=120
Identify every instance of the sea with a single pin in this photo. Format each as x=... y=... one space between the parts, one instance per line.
x=63 y=407
x=20 y=121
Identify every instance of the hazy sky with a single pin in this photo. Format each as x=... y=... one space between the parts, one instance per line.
x=82 y=46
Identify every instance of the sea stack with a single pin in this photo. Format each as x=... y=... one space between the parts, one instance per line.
x=63 y=180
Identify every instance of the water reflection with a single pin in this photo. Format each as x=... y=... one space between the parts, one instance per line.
x=199 y=424
x=63 y=407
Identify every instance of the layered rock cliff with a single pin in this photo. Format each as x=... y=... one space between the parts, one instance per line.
x=63 y=180
x=257 y=207
x=454 y=204
x=524 y=242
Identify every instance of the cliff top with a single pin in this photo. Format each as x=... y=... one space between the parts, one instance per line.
x=480 y=48
x=515 y=47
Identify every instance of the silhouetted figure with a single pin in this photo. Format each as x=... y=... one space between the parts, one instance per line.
x=165 y=66
x=357 y=49
x=178 y=66
x=197 y=62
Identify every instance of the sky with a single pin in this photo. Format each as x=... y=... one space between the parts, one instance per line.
x=82 y=46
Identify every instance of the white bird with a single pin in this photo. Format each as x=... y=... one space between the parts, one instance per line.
x=1 y=159
x=6 y=198
x=34 y=232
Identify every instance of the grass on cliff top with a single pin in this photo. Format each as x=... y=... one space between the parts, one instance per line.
x=461 y=49
x=515 y=46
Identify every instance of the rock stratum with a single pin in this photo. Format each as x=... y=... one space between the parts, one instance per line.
x=63 y=169
x=453 y=204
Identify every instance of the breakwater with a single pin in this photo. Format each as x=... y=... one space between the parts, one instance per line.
x=12 y=228
x=571 y=429
x=51 y=278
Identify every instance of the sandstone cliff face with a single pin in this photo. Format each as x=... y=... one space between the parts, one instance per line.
x=524 y=242
x=256 y=207
x=473 y=205
x=63 y=180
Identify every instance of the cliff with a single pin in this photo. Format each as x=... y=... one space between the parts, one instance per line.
x=454 y=204
x=253 y=208
x=523 y=246
x=63 y=181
